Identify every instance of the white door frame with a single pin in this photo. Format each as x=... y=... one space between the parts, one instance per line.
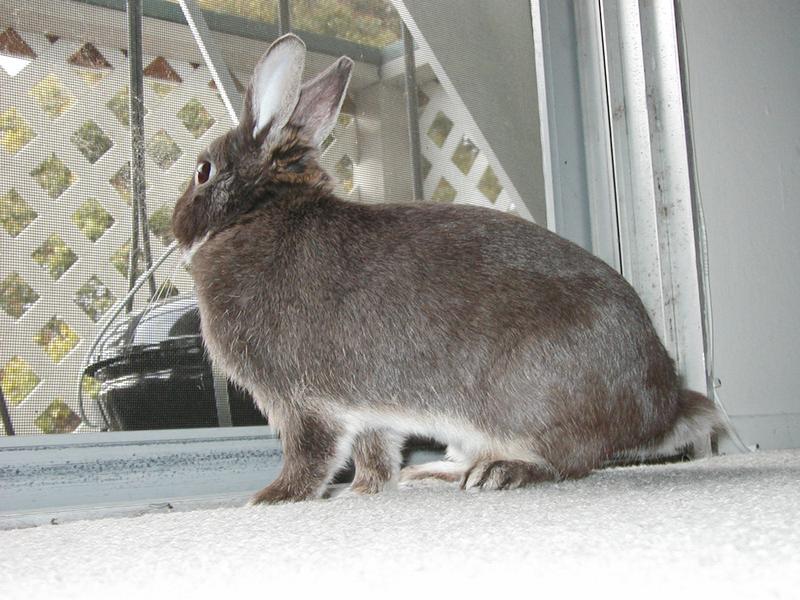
x=626 y=82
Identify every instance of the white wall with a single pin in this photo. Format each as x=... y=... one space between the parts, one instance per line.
x=744 y=83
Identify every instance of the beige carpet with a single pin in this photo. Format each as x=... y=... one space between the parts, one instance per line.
x=726 y=527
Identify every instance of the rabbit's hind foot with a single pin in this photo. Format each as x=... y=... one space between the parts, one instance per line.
x=445 y=470
x=506 y=474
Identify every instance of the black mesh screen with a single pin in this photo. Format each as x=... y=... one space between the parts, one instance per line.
x=67 y=204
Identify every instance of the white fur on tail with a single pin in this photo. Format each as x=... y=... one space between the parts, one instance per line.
x=697 y=421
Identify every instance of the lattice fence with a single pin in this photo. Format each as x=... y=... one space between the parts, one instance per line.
x=65 y=203
x=65 y=199
x=454 y=168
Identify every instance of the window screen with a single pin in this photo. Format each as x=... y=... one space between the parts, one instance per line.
x=67 y=205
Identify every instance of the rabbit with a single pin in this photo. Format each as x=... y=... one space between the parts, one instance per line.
x=355 y=326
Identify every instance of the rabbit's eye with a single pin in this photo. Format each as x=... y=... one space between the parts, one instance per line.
x=204 y=172
x=296 y=166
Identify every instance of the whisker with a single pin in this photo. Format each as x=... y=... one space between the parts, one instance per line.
x=161 y=292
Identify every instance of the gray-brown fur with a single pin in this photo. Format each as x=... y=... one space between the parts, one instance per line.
x=377 y=457
x=505 y=474
x=327 y=311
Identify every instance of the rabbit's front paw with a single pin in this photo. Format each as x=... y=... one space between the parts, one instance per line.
x=505 y=474
x=368 y=485
x=278 y=493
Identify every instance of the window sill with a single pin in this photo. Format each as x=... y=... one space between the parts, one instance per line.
x=67 y=477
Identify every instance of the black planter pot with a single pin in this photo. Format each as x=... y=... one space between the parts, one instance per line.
x=154 y=373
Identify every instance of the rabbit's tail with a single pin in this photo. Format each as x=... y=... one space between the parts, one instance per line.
x=696 y=421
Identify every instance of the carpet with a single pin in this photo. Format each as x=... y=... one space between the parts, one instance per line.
x=723 y=527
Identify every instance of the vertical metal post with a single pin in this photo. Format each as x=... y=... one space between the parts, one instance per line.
x=7 y=425
x=412 y=108
x=136 y=98
x=284 y=17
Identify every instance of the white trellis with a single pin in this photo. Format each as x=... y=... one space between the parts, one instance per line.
x=444 y=172
x=86 y=93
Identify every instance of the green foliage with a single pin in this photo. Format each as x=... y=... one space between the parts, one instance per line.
x=255 y=10
x=440 y=129
x=489 y=186
x=14 y=131
x=55 y=256
x=161 y=89
x=444 y=192
x=92 y=219
x=16 y=296
x=15 y=213
x=465 y=154
x=90 y=387
x=121 y=259
x=91 y=141
x=119 y=105
x=163 y=149
x=344 y=120
x=195 y=117
x=121 y=181
x=94 y=298
x=368 y=22
x=18 y=380
x=344 y=171
x=54 y=176
x=160 y=223
x=51 y=96
x=57 y=418
x=56 y=338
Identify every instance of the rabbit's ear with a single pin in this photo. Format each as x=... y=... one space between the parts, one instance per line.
x=275 y=87
x=320 y=101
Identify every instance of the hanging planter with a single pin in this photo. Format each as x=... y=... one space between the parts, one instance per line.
x=154 y=374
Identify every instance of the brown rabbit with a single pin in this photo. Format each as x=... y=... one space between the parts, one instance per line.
x=355 y=326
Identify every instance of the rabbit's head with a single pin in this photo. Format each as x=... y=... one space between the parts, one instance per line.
x=273 y=150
